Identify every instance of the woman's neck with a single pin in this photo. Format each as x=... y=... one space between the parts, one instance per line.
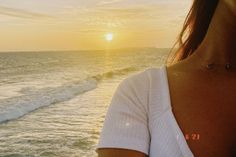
x=219 y=44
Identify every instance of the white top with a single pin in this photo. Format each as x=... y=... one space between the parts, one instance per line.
x=140 y=117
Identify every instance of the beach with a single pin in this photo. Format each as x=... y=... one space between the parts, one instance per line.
x=54 y=103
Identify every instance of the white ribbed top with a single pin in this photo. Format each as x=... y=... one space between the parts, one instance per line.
x=140 y=117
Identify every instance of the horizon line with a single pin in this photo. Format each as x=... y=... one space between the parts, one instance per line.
x=61 y=50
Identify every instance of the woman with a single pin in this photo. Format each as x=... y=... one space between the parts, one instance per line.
x=185 y=109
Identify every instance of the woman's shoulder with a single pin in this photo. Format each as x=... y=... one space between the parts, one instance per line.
x=142 y=86
x=126 y=123
x=144 y=77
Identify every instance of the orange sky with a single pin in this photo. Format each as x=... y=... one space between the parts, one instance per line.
x=82 y=24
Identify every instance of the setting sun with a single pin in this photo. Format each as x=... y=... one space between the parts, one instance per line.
x=109 y=36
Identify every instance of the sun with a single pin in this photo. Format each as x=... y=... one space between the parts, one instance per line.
x=109 y=37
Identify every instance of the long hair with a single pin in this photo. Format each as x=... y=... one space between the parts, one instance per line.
x=194 y=29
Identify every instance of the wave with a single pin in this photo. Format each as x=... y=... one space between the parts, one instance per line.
x=112 y=73
x=32 y=98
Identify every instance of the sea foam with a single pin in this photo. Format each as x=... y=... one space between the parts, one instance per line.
x=32 y=99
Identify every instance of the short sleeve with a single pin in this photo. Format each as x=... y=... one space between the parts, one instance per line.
x=126 y=121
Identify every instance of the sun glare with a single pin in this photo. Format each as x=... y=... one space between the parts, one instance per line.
x=109 y=36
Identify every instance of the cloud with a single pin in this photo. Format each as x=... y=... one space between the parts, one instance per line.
x=136 y=12
x=104 y=2
x=21 y=13
x=92 y=30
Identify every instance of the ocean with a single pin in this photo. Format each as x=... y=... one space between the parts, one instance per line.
x=53 y=104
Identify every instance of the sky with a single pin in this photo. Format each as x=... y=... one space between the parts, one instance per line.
x=38 y=25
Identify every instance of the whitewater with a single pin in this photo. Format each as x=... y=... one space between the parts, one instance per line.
x=54 y=103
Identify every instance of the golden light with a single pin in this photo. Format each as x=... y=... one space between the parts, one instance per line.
x=109 y=36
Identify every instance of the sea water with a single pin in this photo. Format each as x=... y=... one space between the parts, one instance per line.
x=53 y=104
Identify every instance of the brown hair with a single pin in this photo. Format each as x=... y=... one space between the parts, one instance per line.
x=195 y=25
